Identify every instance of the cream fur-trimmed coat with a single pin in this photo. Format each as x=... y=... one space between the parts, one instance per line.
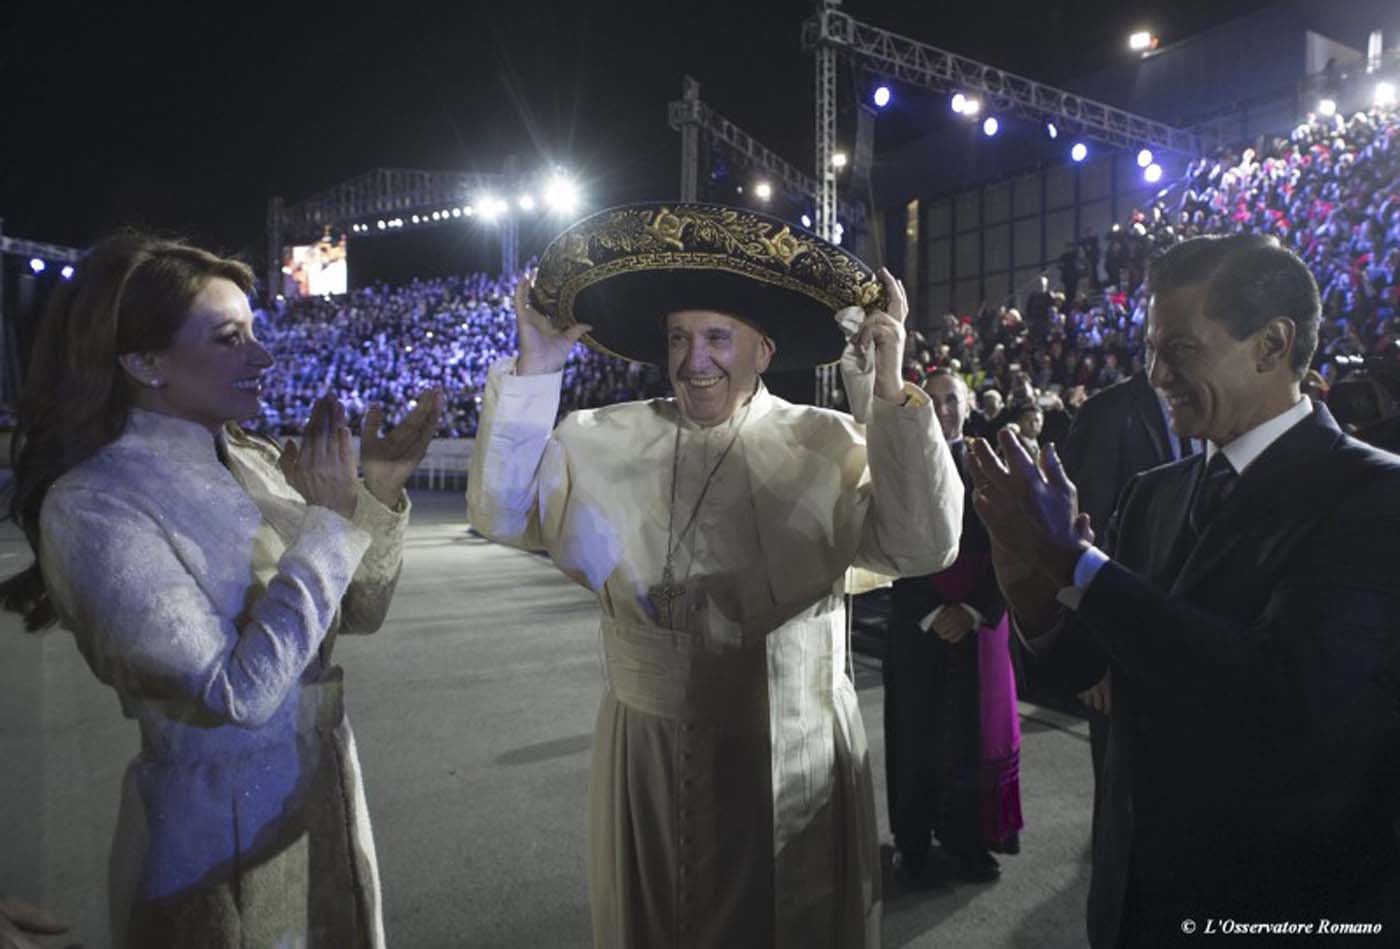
x=209 y=597
x=730 y=802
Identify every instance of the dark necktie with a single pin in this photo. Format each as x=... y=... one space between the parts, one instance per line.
x=1216 y=484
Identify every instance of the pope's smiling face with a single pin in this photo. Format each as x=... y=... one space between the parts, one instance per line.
x=714 y=362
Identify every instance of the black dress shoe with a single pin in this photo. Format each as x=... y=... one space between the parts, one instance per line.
x=911 y=870
x=975 y=866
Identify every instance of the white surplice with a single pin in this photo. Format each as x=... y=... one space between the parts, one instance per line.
x=209 y=597
x=730 y=801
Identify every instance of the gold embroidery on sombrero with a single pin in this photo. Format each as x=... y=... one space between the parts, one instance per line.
x=700 y=238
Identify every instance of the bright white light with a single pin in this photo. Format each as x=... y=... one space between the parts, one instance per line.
x=526 y=202
x=838 y=233
x=990 y=127
x=1327 y=108
x=36 y=265
x=764 y=190
x=971 y=107
x=839 y=160
x=1153 y=174
x=561 y=195
x=1144 y=158
x=382 y=225
x=414 y=219
x=959 y=103
x=67 y=272
x=882 y=96
x=456 y=212
x=1051 y=130
x=806 y=221
x=468 y=210
x=491 y=206
x=1385 y=94
x=1140 y=42
x=1079 y=152
x=437 y=215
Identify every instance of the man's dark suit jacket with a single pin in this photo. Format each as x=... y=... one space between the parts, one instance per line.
x=1254 y=765
x=1118 y=433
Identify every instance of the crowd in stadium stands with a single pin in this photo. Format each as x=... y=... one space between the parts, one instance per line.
x=384 y=345
x=1330 y=192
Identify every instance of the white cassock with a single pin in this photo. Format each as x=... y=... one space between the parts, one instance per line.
x=730 y=802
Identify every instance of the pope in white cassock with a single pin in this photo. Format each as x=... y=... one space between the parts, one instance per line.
x=730 y=802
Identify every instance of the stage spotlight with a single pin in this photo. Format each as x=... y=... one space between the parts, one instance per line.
x=971 y=107
x=1385 y=94
x=990 y=127
x=1144 y=158
x=437 y=215
x=763 y=190
x=456 y=212
x=468 y=210
x=838 y=232
x=382 y=225
x=414 y=219
x=1079 y=152
x=561 y=195
x=36 y=265
x=839 y=160
x=67 y=272
x=1140 y=42
x=882 y=96
x=1327 y=108
x=1153 y=173
x=959 y=103
x=1051 y=130
x=490 y=206
x=527 y=202
x=807 y=221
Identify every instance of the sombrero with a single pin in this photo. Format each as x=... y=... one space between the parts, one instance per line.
x=623 y=270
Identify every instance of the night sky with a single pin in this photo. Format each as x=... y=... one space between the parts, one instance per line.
x=189 y=119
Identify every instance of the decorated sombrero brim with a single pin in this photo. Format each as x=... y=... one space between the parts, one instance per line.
x=623 y=270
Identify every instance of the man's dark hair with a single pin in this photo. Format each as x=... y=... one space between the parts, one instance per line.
x=1251 y=279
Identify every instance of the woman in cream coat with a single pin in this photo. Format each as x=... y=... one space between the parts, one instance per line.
x=205 y=575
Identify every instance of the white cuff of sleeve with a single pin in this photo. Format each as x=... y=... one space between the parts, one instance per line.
x=1085 y=570
x=978 y=620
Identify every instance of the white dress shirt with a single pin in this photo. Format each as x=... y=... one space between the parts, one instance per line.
x=1240 y=452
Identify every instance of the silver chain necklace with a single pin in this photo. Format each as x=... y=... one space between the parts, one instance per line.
x=664 y=594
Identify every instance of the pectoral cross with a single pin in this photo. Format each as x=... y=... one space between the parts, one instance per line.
x=665 y=593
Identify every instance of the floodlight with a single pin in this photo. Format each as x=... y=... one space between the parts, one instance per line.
x=1385 y=94
x=67 y=272
x=1144 y=158
x=36 y=265
x=1079 y=152
x=839 y=160
x=561 y=195
x=1153 y=173
x=971 y=107
x=1051 y=130
x=764 y=190
x=959 y=103
x=882 y=96
x=990 y=127
x=807 y=221
x=1140 y=42
x=1327 y=108
x=526 y=202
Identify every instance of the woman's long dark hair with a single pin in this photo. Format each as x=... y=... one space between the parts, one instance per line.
x=131 y=294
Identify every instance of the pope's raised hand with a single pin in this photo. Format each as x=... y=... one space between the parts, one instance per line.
x=543 y=348
x=390 y=460
x=886 y=330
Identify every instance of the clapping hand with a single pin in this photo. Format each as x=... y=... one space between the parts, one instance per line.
x=1031 y=511
x=886 y=330
x=390 y=460
x=20 y=920
x=543 y=349
x=322 y=470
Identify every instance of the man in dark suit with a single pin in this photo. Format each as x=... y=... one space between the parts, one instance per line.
x=1248 y=602
x=1118 y=433
x=933 y=748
